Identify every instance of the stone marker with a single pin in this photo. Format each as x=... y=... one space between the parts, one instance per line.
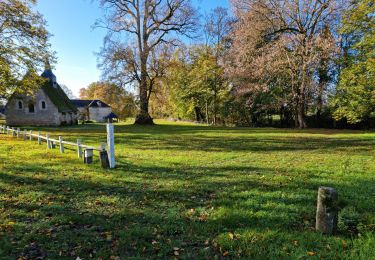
x=88 y=154
x=327 y=211
x=103 y=155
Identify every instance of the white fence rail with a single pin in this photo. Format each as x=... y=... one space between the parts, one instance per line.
x=107 y=159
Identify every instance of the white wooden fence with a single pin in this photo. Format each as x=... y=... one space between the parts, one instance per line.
x=107 y=159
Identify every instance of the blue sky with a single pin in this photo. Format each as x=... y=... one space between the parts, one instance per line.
x=76 y=42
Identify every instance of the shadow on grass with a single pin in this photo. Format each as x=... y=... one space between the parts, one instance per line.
x=72 y=216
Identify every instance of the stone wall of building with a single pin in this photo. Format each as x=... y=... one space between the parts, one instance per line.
x=98 y=113
x=42 y=115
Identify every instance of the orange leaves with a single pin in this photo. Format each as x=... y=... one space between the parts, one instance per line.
x=311 y=253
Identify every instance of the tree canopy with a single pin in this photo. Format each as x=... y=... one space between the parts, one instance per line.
x=24 y=46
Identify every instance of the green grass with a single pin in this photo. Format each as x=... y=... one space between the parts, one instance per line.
x=187 y=190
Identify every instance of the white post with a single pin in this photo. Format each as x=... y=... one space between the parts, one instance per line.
x=31 y=135
x=111 y=145
x=24 y=134
x=18 y=132
x=79 y=148
x=48 y=142
x=61 y=144
x=39 y=138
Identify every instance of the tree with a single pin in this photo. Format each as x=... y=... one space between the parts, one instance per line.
x=355 y=98
x=24 y=46
x=216 y=29
x=138 y=31
x=285 y=37
x=121 y=101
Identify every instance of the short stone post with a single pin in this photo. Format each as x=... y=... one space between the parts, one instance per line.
x=61 y=140
x=104 y=157
x=39 y=138
x=111 y=145
x=25 y=135
x=14 y=132
x=88 y=154
x=18 y=132
x=327 y=211
x=79 y=148
x=31 y=135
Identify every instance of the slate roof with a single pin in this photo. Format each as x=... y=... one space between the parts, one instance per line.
x=48 y=74
x=111 y=116
x=88 y=103
x=57 y=94
x=80 y=102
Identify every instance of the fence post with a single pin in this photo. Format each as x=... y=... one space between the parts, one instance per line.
x=79 y=148
x=18 y=133
x=31 y=135
x=111 y=145
x=48 y=142
x=61 y=144
x=39 y=138
x=24 y=135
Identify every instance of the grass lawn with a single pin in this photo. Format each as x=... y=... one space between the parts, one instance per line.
x=187 y=191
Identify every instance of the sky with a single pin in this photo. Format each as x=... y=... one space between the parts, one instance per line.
x=76 y=42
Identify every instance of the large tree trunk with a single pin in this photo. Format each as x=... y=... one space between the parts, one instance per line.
x=143 y=117
x=301 y=105
x=301 y=120
x=301 y=116
x=319 y=106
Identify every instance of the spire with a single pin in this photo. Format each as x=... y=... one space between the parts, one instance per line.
x=48 y=74
x=47 y=64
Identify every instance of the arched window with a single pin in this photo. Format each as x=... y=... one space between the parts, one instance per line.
x=31 y=108
x=19 y=105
